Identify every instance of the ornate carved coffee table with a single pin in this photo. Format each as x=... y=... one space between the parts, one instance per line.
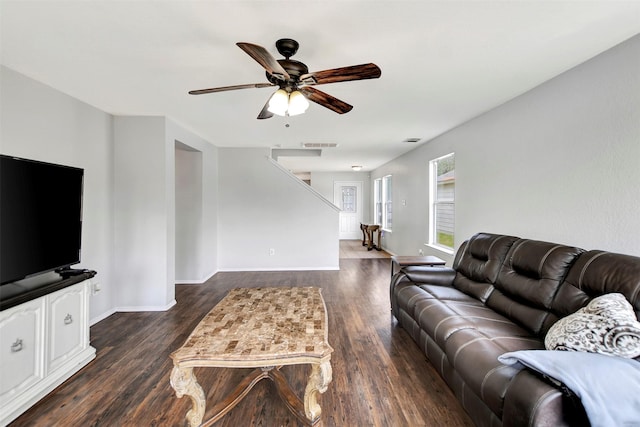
x=263 y=328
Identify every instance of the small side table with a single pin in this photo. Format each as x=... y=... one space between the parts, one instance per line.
x=367 y=236
x=403 y=261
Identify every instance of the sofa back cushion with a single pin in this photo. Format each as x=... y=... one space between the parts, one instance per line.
x=596 y=273
x=529 y=280
x=478 y=262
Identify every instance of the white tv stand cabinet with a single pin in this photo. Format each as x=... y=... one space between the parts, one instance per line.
x=43 y=342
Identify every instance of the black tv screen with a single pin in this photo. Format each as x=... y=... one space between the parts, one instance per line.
x=40 y=217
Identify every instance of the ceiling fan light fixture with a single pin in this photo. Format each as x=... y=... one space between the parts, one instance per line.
x=279 y=102
x=298 y=104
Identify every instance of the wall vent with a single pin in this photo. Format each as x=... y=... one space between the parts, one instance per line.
x=319 y=144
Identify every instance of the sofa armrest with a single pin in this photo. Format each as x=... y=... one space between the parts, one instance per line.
x=530 y=400
x=440 y=276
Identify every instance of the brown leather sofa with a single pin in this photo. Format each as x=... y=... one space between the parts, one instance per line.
x=502 y=294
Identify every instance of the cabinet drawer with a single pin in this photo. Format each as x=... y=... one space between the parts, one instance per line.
x=21 y=352
x=67 y=323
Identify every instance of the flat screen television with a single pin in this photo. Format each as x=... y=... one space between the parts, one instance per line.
x=40 y=217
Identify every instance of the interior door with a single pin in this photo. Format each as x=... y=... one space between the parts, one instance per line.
x=348 y=197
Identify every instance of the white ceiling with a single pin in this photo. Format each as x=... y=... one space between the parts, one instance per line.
x=443 y=62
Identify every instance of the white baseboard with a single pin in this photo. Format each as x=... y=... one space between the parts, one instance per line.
x=145 y=308
x=195 y=282
x=101 y=317
x=131 y=309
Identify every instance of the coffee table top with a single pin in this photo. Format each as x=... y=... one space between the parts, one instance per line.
x=254 y=327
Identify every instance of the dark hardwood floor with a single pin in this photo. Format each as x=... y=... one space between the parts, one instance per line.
x=380 y=376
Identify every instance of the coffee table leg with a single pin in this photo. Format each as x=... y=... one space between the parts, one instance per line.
x=184 y=382
x=318 y=382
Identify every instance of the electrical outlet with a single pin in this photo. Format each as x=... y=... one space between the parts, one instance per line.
x=420 y=252
x=272 y=251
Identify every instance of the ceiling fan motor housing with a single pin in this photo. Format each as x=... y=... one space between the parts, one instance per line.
x=294 y=68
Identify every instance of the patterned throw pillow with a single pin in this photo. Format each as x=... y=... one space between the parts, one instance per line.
x=607 y=325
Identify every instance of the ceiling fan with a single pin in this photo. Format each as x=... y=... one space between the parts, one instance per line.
x=295 y=81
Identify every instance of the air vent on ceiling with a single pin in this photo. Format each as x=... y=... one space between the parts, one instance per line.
x=411 y=140
x=319 y=144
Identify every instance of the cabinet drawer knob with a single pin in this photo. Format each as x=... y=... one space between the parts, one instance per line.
x=68 y=319
x=16 y=346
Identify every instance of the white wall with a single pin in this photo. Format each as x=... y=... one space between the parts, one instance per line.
x=142 y=249
x=263 y=207
x=41 y=123
x=203 y=255
x=188 y=214
x=145 y=212
x=559 y=163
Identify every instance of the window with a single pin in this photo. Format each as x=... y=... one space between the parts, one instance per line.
x=377 y=201
x=349 y=199
x=382 y=202
x=442 y=202
x=387 y=217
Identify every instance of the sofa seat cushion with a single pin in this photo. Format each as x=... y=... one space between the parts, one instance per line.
x=447 y=293
x=474 y=353
x=408 y=296
x=441 y=318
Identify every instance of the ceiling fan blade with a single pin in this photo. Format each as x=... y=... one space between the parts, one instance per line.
x=326 y=100
x=343 y=74
x=225 y=88
x=264 y=58
x=265 y=113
